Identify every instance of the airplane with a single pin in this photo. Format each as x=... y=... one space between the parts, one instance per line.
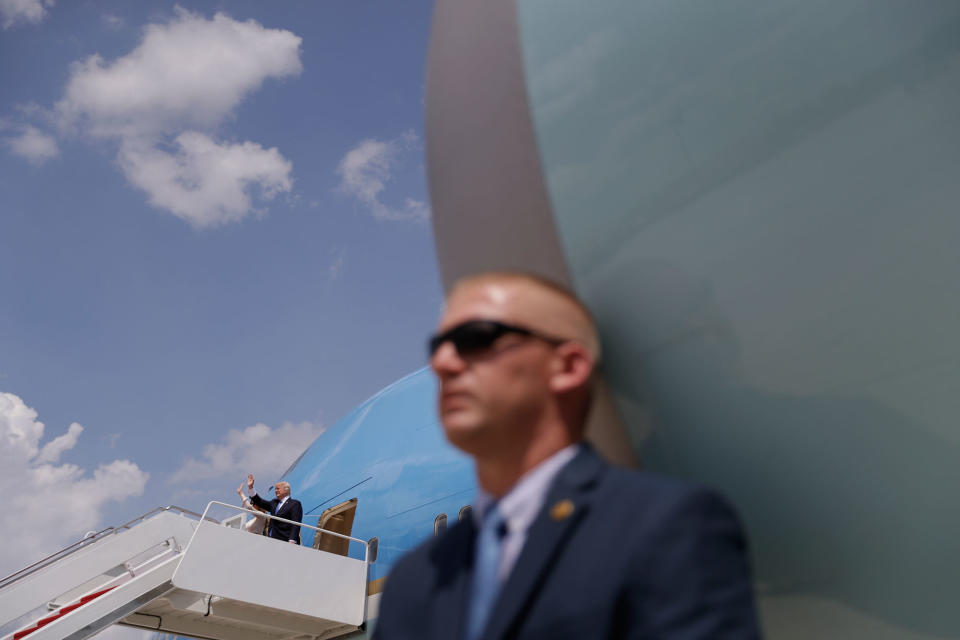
x=385 y=472
x=758 y=202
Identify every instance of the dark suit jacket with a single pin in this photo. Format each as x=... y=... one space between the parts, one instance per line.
x=639 y=556
x=291 y=510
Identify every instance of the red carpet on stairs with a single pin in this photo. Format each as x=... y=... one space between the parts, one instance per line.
x=62 y=611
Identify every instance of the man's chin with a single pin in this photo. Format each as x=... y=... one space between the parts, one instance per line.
x=460 y=428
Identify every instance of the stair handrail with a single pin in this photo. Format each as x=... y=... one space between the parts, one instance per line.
x=89 y=539
x=112 y=583
x=366 y=544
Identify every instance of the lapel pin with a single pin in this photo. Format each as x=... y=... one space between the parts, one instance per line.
x=561 y=510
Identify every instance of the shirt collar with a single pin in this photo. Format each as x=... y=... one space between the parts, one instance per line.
x=522 y=503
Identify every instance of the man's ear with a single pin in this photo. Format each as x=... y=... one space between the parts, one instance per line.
x=572 y=367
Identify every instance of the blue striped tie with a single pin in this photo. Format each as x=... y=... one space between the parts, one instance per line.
x=486 y=584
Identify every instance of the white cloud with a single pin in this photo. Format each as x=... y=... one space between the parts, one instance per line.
x=367 y=169
x=183 y=80
x=34 y=145
x=52 y=451
x=191 y=72
x=49 y=505
x=205 y=183
x=258 y=449
x=14 y=12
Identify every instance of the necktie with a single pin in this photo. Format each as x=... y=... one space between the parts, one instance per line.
x=486 y=584
x=276 y=508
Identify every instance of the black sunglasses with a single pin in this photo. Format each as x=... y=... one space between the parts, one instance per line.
x=474 y=337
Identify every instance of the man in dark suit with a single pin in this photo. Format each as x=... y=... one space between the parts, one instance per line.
x=283 y=506
x=561 y=545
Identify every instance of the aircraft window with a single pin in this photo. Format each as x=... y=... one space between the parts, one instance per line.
x=374 y=546
x=338 y=519
x=465 y=513
x=439 y=524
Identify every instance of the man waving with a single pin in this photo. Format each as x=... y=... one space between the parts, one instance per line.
x=283 y=506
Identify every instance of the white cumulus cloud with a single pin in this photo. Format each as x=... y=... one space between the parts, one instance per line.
x=163 y=101
x=367 y=169
x=15 y=12
x=34 y=145
x=205 y=183
x=49 y=505
x=258 y=449
x=52 y=451
x=190 y=72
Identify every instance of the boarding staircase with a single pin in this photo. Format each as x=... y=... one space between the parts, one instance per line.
x=183 y=573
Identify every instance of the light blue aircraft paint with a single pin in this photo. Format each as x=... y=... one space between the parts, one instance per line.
x=390 y=454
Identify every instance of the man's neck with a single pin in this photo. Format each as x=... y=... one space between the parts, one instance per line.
x=497 y=474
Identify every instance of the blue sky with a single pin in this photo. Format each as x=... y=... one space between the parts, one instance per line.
x=214 y=241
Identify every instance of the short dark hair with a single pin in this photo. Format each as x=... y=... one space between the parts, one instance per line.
x=543 y=282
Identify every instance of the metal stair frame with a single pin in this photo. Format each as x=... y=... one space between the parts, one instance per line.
x=27 y=591
x=98 y=614
x=170 y=573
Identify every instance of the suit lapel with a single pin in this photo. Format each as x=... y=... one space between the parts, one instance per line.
x=567 y=502
x=453 y=559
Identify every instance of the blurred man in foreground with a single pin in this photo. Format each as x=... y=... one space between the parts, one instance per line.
x=561 y=544
x=283 y=506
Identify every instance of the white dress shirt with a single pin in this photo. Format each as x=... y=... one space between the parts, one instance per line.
x=521 y=505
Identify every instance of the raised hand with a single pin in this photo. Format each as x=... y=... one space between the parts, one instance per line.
x=249 y=481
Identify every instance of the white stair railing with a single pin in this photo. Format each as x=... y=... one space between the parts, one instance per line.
x=63 y=577
x=301 y=580
x=105 y=579
x=261 y=514
x=86 y=541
